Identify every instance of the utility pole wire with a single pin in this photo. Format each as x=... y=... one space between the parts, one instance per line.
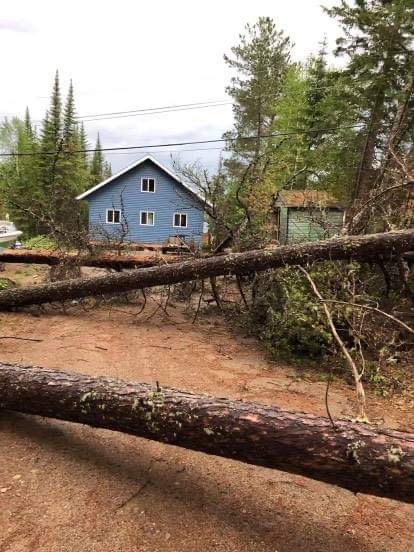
x=168 y=144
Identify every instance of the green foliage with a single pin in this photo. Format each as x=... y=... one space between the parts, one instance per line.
x=377 y=38
x=4 y=283
x=261 y=61
x=39 y=191
x=330 y=128
x=289 y=320
x=40 y=242
x=99 y=169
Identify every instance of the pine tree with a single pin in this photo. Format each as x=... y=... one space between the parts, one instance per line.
x=107 y=170
x=51 y=147
x=319 y=79
x=378 y=40
x=97 y=163
x=28 y=124
x=19 y=176
x=52 y=125
x=69 y=120
x=262 y=60
x=83 y=146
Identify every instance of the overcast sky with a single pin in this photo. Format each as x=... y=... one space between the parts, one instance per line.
x=130 y=54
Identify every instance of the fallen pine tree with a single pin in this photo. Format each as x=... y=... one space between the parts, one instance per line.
x=363 y=248
x=358 y=457
x=115 y=262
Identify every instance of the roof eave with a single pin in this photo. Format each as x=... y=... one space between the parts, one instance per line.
x=95 y=188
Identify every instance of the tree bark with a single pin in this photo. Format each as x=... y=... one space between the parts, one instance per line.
x=363 y=248
x=358 y=457
x=116 y=262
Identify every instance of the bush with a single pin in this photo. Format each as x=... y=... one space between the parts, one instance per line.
x=287 y=317
x=40 y=242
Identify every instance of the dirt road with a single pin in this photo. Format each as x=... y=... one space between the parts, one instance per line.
x=65 y=487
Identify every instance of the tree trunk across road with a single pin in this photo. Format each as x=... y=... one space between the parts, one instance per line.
x=363 y=248
x=358 y=457
x=116 y=262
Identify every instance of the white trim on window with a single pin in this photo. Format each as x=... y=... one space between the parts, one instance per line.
x=113 y=216
x=147 y=213
x=180 y=225
x=148 y=178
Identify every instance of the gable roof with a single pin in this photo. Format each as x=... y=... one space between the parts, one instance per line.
x=193 y=193
x=307 y=198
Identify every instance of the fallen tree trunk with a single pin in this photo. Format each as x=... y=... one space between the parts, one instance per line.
x=367 y=247
x=115 y=262
x=358 y=457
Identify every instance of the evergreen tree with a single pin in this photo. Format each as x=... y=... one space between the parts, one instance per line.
x=69 y=120
x=50 y=148
x=39 y=190
x=83 y=146
x=107 y=170
x=51 y=133
x=19 y=176
x=378 y=39
x=97 y=163
x=319 y=81
x=261 y=60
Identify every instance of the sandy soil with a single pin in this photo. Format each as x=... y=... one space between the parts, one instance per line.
x=66 y=487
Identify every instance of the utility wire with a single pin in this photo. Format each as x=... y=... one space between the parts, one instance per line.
x=152 y=112
x=192 y=142
x=181 y=107
x=218 y=148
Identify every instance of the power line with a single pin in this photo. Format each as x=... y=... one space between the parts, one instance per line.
x=178 y=107
x=184 y=107
x=168 y=151
x=187 y=143
x=153 y=112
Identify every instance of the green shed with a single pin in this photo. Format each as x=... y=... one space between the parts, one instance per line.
x=306 y=215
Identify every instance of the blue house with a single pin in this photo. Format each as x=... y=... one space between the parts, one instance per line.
x=145 y=203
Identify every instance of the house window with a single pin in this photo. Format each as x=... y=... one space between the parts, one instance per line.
x=180 y=220
x=148 y=184
x=113 y=216
x=147 y=218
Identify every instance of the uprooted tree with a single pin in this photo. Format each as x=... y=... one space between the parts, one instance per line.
x=363 y=248
x=357 y=457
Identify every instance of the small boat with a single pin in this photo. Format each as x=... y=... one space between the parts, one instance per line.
x=8 y=233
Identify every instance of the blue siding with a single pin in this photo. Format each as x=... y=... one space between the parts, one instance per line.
x=169 y=198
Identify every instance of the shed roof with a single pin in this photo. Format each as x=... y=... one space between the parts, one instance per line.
x=307 y=198
x=192 y=192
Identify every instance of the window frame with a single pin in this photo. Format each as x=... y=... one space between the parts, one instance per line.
x=142 y=184
x=146 y=224
x=113 y=216
x=180 y=225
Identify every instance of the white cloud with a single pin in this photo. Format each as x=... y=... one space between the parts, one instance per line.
x=132 y=55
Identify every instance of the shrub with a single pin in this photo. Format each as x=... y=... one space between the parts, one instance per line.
x=287 y=316
x=40 y=242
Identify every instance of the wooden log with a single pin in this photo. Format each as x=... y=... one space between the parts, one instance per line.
x=358 y=457
x=110 y=261
x=362 y=248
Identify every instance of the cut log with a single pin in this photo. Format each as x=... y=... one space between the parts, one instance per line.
x=116 y=262
x=362 y=248
x=358 y=457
